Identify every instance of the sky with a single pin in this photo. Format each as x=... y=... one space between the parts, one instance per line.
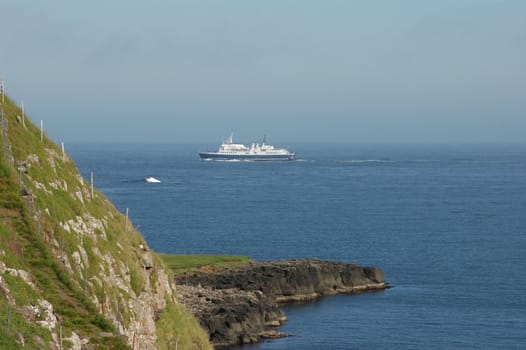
x=296 y=71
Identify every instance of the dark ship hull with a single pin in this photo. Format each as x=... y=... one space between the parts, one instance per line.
x=246 y=157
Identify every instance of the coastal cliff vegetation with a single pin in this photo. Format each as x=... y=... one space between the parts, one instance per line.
x=74 y=273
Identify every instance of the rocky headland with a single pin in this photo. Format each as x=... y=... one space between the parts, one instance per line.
x=242 y=305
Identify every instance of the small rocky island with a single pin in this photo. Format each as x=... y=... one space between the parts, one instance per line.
x=241 y=305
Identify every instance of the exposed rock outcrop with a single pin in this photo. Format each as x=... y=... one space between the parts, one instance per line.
x=73 y=270
x=241 y=305
x=233 y=316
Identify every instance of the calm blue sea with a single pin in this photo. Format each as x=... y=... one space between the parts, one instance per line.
x=446 y=223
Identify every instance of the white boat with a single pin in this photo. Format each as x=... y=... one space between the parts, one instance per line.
x=152 y=179
x=237 y=151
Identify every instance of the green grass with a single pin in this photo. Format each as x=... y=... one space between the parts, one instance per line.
x=178 y=329
x=109 y=343
x=55 y=183
x=18 y=324
x=24 y=248
x=181 y=263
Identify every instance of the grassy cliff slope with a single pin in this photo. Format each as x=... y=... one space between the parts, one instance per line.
x=72 y=270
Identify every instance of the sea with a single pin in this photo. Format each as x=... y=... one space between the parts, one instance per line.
x=445 y=222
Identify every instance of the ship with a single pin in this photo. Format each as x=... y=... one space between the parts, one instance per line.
x=229 y=150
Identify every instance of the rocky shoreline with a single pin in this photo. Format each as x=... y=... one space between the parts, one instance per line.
x=242 y=305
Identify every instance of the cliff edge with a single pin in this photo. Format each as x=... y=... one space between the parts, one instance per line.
x=241 y=305
x=74 y=273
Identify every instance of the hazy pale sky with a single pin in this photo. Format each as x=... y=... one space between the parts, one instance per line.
x=345 y=71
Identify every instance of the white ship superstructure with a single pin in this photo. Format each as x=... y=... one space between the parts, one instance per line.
x=237 y=151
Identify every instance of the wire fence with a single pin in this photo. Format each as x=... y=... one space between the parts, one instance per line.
x=40 y=221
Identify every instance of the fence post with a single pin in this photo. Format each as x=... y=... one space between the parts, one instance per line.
x=2 y=88
x=85 y=278
x=3 y=125
x=92 y=185
x=23 y=113
x=126 y=221
x=8 y=318
x=20 y=170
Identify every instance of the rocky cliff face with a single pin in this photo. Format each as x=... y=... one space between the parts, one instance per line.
x=74 y=273
x=241 y=305
x=119 y=293
x=233 y=316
